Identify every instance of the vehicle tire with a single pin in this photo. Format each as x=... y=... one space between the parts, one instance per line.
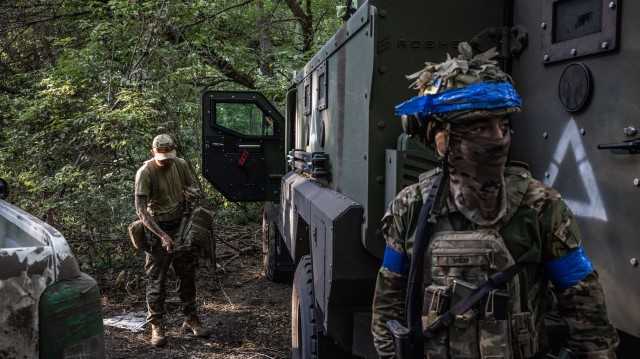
x=307 y=340
x=276 y=262
x=304 y=334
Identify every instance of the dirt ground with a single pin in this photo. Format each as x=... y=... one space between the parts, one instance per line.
x=249 y=314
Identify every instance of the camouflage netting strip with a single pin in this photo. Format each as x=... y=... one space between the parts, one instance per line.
x=460 y=71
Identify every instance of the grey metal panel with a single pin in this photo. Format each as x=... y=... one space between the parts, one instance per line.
x=289 y=212
x=359 y=20
x=598 y=185
x=304 y=192
x=321 y=272
x=344 y=121
x=391 y=180
x=344 y=274
x=403 y=168
x=349 y=154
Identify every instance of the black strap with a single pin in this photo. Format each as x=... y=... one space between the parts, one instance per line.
x=415 y=284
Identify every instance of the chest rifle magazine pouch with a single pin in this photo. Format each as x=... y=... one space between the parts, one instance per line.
x=526 y=334
x=494 y=328
x=138 y=236
x=437 y=346
x=463 y=336
x=436 y=302
x=463 y=333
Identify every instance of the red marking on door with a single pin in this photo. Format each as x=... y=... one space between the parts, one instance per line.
x=244 y=156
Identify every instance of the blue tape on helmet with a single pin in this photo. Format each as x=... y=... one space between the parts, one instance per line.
x=479 y=96
x=567 y=271
x=395 y=261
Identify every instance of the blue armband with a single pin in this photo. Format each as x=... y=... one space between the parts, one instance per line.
x=395 y=261
x=567 y=271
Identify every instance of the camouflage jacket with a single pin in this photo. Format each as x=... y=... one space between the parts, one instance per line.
x=552 y=236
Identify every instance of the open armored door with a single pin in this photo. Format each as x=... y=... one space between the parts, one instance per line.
x=580 y=83
x=243 y=145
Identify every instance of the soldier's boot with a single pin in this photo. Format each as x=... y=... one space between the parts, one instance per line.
x=158 y=337
x=193 y=323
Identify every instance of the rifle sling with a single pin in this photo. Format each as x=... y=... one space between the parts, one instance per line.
x=415 y=284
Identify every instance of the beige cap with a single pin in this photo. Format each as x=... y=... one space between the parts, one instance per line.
x=164 y=147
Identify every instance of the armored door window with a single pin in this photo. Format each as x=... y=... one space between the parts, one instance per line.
x=244 y=118
x=577 y=28
x=576 y=18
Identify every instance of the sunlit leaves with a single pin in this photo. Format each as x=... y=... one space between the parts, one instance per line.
x=86 y=84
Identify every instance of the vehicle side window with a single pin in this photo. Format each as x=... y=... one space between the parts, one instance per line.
x=245 y=118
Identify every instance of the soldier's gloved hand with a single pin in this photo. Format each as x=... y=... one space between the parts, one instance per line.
x=167 y=243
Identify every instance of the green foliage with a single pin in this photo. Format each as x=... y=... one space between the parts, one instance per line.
x=86 y=85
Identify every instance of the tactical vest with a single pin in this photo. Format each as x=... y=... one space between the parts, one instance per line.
x=505 y=324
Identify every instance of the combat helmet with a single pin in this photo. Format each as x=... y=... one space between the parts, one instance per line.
x=460 y=89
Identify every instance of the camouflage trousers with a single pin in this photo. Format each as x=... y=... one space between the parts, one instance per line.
x=158 y=261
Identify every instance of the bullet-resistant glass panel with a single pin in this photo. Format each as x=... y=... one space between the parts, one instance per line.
x=576 y=18
x=244 y=118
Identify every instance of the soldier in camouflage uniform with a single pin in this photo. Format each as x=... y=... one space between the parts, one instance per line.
x=490 y=216
x=163 y=187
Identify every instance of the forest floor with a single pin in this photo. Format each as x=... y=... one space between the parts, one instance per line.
x=249 y=315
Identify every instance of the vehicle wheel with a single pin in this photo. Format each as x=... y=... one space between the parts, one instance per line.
x=276 y=262
x=307 y=341
x=304 y=334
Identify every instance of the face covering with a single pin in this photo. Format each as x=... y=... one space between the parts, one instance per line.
x=476 y=170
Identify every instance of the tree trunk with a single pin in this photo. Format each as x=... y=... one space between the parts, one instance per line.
x=307 y=28
x=305 y=19
x=212 y=58
x=264 y=37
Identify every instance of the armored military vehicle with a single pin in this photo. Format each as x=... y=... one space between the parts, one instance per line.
x=329 y=166
x=48 y=307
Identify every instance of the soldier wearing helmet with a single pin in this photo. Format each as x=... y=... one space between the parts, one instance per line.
x=488 y=217
x=169 y=230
